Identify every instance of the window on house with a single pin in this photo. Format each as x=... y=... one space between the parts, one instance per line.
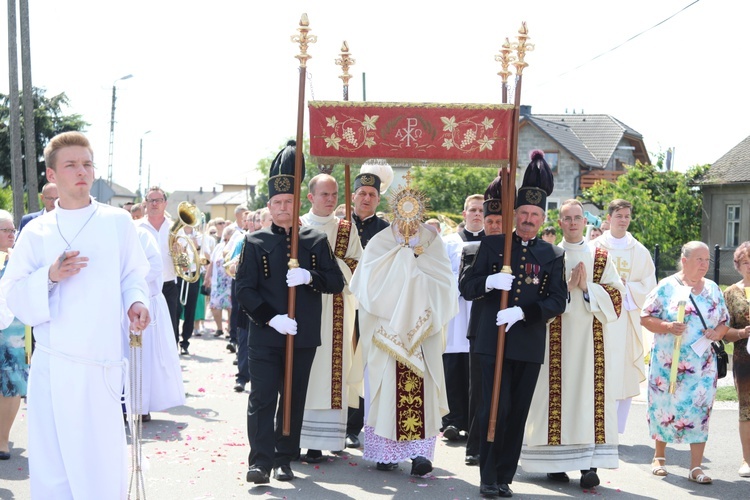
x=733 y=226
x=552 y=160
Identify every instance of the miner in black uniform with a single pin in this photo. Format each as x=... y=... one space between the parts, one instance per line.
x=263 y=281
x=492 y=225
x=537 y=293
x=373 y=179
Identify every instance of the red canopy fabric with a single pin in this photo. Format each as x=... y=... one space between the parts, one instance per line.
x=354 y=132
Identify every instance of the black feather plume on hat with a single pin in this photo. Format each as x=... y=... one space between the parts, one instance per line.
x=495 y=190
x=281 y=173
x=538 y=174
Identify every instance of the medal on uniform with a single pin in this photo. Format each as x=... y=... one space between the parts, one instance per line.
x=535 y=269
x=528 y=280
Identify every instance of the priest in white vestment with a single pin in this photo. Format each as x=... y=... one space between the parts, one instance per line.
x=329 y=396
x=407 y=295
x=572 y=422
x=636 y=268
x=75 y=272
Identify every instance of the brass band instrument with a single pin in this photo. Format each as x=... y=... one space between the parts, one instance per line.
x=184 y=253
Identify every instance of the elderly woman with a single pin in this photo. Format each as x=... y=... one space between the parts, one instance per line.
x=683 y=417
x=14 y=372
x=739 y=331
x=221 y=282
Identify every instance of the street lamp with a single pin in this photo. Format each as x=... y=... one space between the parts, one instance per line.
x=140 y=164
x=112 y=128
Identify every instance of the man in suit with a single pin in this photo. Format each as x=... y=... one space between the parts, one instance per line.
x=49 y=196
x=537 y=293
x=263 y=282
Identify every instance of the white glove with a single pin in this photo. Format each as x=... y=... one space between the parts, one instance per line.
x=283 y=324
x=499 y=281
x=298 y=276
x=509 y=316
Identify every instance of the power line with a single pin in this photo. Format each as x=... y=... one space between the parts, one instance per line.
x=623 y=43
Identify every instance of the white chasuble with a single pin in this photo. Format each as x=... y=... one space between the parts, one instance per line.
x=572 y=422
x=328 y=393
x=406 y=297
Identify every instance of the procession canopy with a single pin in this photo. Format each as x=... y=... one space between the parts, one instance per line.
x=354 y=132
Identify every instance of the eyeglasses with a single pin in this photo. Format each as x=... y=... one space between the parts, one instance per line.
x=154 y=200
x=569 y=219
x=212 y=234
x=50 y=198
x=220 y=223
x=8 y=230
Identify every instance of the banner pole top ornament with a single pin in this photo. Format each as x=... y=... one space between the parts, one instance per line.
x=505 y=58
x=521 y=47
x=345 y=61
x=304 y=38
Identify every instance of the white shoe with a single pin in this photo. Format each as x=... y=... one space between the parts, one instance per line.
x=744 y=470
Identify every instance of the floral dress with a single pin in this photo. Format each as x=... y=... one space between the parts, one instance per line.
x=738 y=311
x=682 y=417
x=14 y=372
x=221 y=282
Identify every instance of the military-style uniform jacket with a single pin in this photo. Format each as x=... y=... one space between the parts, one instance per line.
x=539 y=289
x=261 y=283
x=369 y=227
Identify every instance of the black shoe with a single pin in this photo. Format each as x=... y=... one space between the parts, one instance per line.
x=239 y=387
x=451 y=433
x=589 y=480
x=231 y=347
x=488 y=490
x=313 y=457
x=471 y=460
x=420 y=466
x=352 y=441
x=218 y=333
x=283 y=473
x=257 y=475
x=504 y=490
x=4 y=455
x=236 y=361
x=386 y=466
x=560 y=477
x=146 y=417
x=184 y=351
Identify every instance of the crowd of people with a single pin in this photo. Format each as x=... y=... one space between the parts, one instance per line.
x=387 y=326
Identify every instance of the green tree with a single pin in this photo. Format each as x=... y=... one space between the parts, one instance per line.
x=666 y=206
x=448 y=186
x=49 y=120
x=311 y=170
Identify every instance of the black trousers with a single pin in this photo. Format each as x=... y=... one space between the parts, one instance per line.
x=355 y=418
x=234 y=313
x=171 y=291
x=456 y=368
x=498 y=460
x=475 y=396
x=268 y=447
x=188 y=310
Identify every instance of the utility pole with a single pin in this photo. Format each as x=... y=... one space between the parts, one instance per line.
x=29 y=139
x=14 y=106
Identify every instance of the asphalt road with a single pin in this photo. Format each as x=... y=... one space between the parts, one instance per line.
x=199 y=451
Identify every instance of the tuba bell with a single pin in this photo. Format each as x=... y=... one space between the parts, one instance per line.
x=183 y=251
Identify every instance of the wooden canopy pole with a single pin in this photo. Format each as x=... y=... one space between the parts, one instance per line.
x=346 y=61
x=508 y=201
x=303 y=38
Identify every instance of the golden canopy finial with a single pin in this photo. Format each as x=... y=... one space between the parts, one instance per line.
x=304 y=39
x=521 y=47
x=345 y=61
x=505 y=58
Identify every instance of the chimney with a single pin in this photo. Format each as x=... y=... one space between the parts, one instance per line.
x=200 y=190
x=525 y=110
